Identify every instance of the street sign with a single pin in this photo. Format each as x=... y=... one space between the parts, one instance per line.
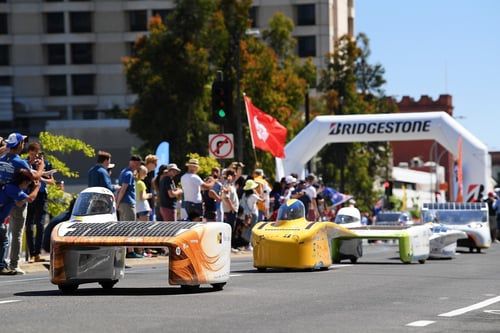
x=221 y=146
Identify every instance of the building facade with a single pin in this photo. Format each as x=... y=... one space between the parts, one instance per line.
x=61 y=59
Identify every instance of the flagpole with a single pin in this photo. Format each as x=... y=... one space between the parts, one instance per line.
x=248 y=118
x=251 y=134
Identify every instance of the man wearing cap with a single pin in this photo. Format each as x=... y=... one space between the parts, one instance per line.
x=125 y=199
x=169 y=193
x=290 y=182
x=9 y=164
x=98 y=175
x=191 y=185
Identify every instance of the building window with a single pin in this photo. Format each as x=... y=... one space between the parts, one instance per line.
x=57 y=85
x=56 y=54
x=4 y=29
x=5 y=80
x=131 y=49
x=81 y=53
x=54 y=23
x=252 y=15
x=80 y=22
x=138 y=20
x=4 y=55
x=306 y=46
x=162 y=13
x=83 y=84
x=306 y=14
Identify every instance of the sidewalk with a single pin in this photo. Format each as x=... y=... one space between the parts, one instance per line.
x=159 y=261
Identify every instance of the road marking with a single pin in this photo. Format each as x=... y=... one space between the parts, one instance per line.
x=340 y=265
x=497 y=312
x=473 y=307
x=443 y=298
x=235 y=275
x=420 y=323
x=10 y=301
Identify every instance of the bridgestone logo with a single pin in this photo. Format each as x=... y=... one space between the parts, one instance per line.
x=385 y=127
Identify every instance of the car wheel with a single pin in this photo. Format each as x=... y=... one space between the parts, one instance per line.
x=261 y=269
x=108 y=284
x=68 y=288
x=471 y=249
x=218 y=286
x=421 y=261
x=478 y=250
x=354 y=260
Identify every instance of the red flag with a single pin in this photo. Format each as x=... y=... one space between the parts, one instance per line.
x=266 y=132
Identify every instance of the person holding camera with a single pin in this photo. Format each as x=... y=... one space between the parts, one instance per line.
x=14 y=194
x=10 y=163
x=37 y=210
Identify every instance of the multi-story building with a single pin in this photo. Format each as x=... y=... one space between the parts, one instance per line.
x=61 y=59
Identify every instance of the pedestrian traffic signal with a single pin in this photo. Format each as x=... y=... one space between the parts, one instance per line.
x=221 y=101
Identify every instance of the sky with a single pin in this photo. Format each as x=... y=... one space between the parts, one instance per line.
x=433 y=47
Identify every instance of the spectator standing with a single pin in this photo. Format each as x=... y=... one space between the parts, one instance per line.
x=192 y=185
x=37 y=210
x=169 y=193
x=156 y=188
x=230 y=202
x=492 y=216
x=151 y=162
x=215 y=194
x=125 y=199
x=310 y=190
x=264 y=191
x=12 y=195
x=250 y=210
x=9 y=164
x=98 y=175
x=143 y=209
x=290 y=182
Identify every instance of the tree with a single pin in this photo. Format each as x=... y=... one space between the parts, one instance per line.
x=170 y=75
x=351 y=85
x=59 y=145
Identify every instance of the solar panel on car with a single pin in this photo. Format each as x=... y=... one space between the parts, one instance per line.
x=128 y=229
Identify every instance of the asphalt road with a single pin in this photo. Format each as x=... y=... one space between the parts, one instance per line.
x=379 y=294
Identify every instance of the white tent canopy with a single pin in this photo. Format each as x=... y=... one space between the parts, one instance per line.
x=438 y=126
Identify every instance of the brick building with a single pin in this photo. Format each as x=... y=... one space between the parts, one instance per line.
x=417 y=153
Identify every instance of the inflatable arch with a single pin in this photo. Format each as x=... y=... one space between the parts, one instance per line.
x=438 y=126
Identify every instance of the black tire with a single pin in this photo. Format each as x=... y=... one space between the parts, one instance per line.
x=471 y=249
x=68 y=288
x=261 y=269
x=108 y=284
x=218 y=286
x=354 y=260
x=478 y=250
x=189 y=289
x=324 y=268
x=421 y=261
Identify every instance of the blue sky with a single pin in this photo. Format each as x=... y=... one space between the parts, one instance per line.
x=431 y=47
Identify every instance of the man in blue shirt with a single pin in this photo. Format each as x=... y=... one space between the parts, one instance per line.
x=13 y=195
x=9 y=164
x=98 y=175
x=125 y=200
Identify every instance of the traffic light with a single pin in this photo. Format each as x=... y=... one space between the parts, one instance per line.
x=388 y=188
x=221 y=101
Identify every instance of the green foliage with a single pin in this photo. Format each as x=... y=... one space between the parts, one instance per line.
x=57 y=201
x=206 y=164
x=351 y=85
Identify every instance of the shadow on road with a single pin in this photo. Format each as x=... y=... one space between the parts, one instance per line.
x=118 y=292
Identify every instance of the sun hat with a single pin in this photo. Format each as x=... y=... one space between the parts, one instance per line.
x=173 y=166
x=14 y=140
x=290 y=179
x=250 y=185
x=193 y=162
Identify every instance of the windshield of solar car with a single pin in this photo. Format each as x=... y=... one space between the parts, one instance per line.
x=93 y=204
x=291 y=212
x=343 y=219
x=388 y=218
x=454 y=216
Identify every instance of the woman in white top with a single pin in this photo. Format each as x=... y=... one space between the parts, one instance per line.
x=250 y=210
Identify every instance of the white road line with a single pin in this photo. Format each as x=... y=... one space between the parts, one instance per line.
x=340 y=265
x=10 y=301
x=420 y=323
x=235 y=275
x=23 y=280
x=497 y=312
x=473 y=307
